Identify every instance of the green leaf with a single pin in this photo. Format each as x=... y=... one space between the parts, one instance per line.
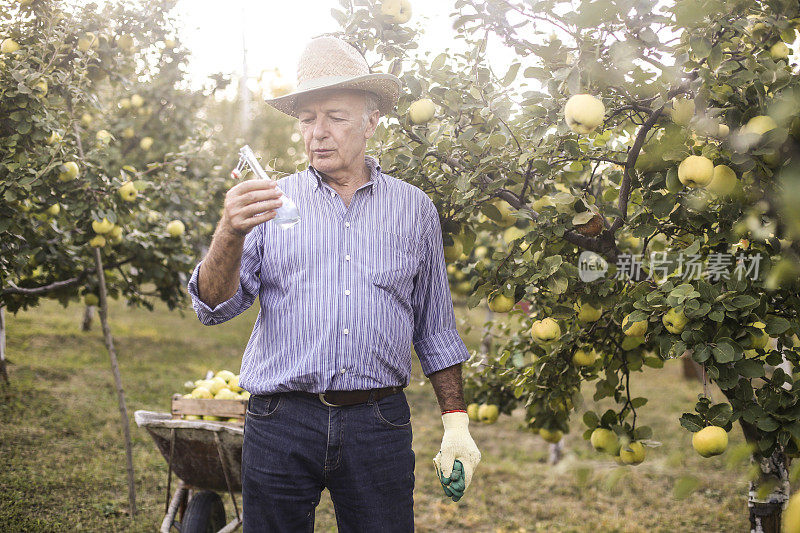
x=724 y=352
x=750 y=368
x=767 y=424
x=719 y=414
x=777 y=325
x=692 y=422
x=591 y=419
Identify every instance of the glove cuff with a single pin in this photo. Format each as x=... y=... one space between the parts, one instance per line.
x=455 y=421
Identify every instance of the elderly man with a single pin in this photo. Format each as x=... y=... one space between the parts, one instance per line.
x=343 y=295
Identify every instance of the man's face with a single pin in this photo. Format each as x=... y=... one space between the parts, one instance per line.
x=333 y=129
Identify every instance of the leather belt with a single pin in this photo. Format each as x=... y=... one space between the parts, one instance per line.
x=338 y=398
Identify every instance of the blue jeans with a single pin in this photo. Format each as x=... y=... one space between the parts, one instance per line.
x=294 y=446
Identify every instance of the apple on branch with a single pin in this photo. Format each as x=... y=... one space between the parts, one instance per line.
x=421 y=111
x=500 y=303
x=675 y=321
x=69 y=171
x=545 y=331
x=397 y=11
x=696 y=171
x=128 y=192
x=583 y=113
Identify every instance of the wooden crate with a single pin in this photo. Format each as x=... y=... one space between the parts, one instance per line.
x=222 y=408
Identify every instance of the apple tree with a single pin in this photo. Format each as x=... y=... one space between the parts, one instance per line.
x=634 y=176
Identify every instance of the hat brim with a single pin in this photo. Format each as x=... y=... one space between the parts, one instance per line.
x=385 y=86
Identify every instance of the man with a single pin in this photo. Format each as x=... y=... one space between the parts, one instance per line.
x=343 y=294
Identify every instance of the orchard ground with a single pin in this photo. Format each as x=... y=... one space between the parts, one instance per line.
x=64 y=464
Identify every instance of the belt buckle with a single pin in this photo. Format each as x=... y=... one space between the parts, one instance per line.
x=325 y=402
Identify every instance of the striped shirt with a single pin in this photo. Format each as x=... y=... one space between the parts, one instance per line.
x=346 y=292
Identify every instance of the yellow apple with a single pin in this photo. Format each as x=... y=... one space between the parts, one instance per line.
x=723 y=182
x=587 y=312
x=674 y=321
x=146 y=143
x=635 y=329
x=115 y=235
x=760 y=341
x=421 y=111
x=791 y=515
x=583 y=113
x=86 y=119
x=125 y=103
x=226 y=394
x=53 y=210
x=54 y=137
x=233 y=384
x=760 y=125
x=779 y=50
x=227 y=375
x=604 y=440
x=542 y=202
x=710 y=441
x=69 y=171
x=488 y=413
x=98 y=241
x=397 y=11
x=696 y=171
x=175 y=228
x=584 y=357
x=202 y=393
x=128 y=133
x=217 y=384
x=137 y=101
x=506 y=217
x=125 y=42
x=633 y=454
x=8 y=46
x=103 y=136
x=244 y=395
x=682 y=111
x=87 y=41
x=500 y=303
x=102 y=226
x=545 y=331
x=454 y=251
x=723 y=130
x=41 y=87
x=128 y=191
x=551 y=436
x=472 y=411
x=192 y=417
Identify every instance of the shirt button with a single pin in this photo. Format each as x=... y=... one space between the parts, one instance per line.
x=347 y=257
x=333 y=193
x=347 y=292
x=342 y=371
x=346 y=224
x=346 y=331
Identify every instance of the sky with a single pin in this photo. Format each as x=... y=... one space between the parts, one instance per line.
x=276 y=33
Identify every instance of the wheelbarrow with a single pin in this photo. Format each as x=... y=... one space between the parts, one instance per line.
x=206 y=457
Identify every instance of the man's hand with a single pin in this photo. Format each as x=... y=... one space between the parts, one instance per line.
x=249 y=204
x=456 y=461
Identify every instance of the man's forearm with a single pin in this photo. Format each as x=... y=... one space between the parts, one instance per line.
x=218 y=278
x=449 y=388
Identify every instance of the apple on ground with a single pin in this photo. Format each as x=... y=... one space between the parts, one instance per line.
x=500 y=303
x=584 y=113
x=397 y=11
x=604 y=440
x=675 y=320
x=696 y=171
x=545 y=331
x=421 y=111
x=175 y=228
x=488 y=413
x=633 y=329
x=551 y=436
x=710 y=441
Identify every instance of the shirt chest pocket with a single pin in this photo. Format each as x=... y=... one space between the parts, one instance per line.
x=395 y=260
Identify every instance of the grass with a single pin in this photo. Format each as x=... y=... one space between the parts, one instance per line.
x=63 y=460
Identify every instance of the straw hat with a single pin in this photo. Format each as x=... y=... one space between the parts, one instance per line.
x=328 y=62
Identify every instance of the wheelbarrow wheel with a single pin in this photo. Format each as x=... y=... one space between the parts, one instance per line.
x=204 y=514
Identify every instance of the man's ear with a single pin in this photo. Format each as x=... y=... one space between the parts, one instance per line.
x=372 y=124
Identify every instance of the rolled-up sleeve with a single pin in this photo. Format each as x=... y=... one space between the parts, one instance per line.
x=249 y=284
x=435 y=339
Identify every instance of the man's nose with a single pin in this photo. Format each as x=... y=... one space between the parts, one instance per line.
x=320 y=130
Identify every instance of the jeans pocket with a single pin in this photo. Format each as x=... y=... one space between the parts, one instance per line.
x=393 y=411
x=261 y=407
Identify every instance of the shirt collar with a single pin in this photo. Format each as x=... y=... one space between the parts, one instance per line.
x=375 y=174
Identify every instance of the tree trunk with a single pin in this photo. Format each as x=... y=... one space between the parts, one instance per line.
x=88 y=316
x=123 y=411
x=556 y=452
x=766 y=509
x=691 y=370
x=3 y=371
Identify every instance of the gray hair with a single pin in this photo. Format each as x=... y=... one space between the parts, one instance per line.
x=370 y=105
